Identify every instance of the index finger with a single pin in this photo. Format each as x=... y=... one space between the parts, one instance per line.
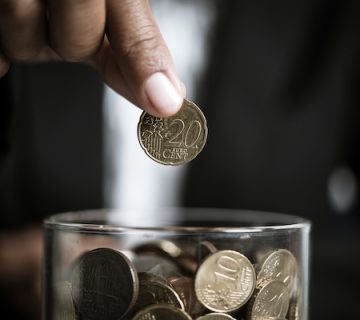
x=143 y=57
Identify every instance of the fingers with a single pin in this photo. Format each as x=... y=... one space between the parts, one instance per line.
x=144 y=63
x=4 y=65
x=22 y=28
x=76 y=27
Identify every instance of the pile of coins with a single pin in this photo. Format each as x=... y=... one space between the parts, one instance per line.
x=162 y=281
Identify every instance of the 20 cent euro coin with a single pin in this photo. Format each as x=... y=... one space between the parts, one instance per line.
x=174 y=140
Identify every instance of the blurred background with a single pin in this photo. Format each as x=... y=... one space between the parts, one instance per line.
x=278 y=82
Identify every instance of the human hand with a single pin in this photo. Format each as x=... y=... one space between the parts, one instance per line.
x=119 y=38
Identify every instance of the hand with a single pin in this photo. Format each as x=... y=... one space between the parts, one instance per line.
x=119 y=38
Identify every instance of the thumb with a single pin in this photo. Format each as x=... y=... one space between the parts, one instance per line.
x=136 y=61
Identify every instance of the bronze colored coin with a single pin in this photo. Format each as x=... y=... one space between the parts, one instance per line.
x=161 y=312
x=279 y=265
x=64 y=308
x=157 y=292
x=270 y=302
x=104 y=285
x=184 y=286
x=174 y=140
x=225 y=281
x=216 y=316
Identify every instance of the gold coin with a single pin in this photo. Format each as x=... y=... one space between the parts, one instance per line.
x=225 y=281
x=174 y=140
x=279 y=265
x=270 y=302
x=161 y=312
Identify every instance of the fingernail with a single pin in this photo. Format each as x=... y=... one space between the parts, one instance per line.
x=162 y=94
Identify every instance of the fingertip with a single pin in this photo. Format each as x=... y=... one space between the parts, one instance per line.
x=164 y=97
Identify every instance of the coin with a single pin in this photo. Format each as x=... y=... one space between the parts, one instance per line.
x=278 y=265
x=152 y=291
x=270 y=302
x=205 y=248
x=216 y=316
x=174 y=140
x=104 y=284
x=225 y=281
x=294 y=310
x=184 y=286
x=171 y=251
x=63 y=305
x=161 y=312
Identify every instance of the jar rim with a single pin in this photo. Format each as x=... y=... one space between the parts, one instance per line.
x=176 y=220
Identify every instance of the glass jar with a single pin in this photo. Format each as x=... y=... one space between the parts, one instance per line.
x=188 y=264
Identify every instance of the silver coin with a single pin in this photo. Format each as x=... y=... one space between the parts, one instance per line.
x=216 y=316
x=279 y=265
x=225 y=281
x=104 y=285
x=161 y=312
x=270 y=302
x=64 y=308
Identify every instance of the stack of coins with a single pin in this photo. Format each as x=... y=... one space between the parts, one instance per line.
x=163 y=281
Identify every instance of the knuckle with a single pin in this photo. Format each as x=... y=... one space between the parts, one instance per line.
x=72 y=54
x=16 y=8
x=147 y=45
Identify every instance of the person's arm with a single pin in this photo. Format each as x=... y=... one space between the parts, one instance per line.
x=119 y=38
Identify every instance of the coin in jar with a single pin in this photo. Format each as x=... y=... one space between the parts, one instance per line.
x=184 y=286
x=270 y=302
x=104 y=284
x=161 y=312
x=278 y=265
x=175 y=140
x=216 y=316
x=225 y=281
x=152 y=291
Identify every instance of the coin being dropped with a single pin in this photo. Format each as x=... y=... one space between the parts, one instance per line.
x=225 y=281
x=174 y=140
x=104 y=285
x=216 y=316
x=270 y=302
x=161 y=312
